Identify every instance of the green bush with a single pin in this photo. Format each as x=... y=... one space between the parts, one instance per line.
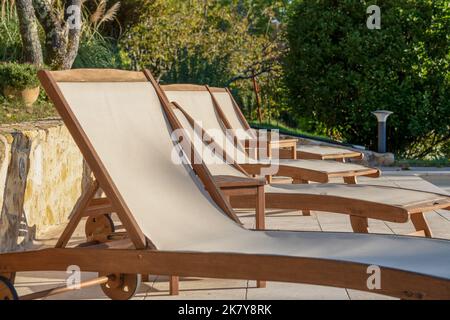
x=338 y=71
x=201 y=42
x=10 y=42
x=97 y=52
x=18 y=76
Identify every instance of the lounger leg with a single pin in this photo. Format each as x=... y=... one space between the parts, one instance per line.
x=421 y=224
x=340 y=159
x=294 y=152
x=260 y=283
x=260 y=209
x=82 y=204
x=350 y=180
x=174 y=284
x=301 y=181
x=260 y=220
x=359 y=224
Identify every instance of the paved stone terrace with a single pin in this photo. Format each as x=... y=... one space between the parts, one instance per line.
x=200 y=288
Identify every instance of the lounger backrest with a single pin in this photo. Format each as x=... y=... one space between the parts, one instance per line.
x=216 y=165
x=226 y=103
x=197 y=102
x=126 y=126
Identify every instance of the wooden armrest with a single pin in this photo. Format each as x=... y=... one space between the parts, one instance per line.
x=225 y=181
x=283 y=143
x=289 y=140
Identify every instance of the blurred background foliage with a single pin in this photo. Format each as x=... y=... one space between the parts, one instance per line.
x=338 y=71
x=220 y=43
x=320 y=70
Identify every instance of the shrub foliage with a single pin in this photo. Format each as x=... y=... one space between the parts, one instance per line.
x=338 y=71
x=18 y=76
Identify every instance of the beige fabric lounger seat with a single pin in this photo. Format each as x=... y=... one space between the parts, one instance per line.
x=238 y=122
x=199 y=106
x=122 y=131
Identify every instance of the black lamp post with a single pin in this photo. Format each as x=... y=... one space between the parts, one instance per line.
x=382 y=116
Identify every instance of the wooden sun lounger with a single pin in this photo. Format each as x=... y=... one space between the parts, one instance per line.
x=232 y=115
x=233 y=119
x=360 y=202
x=199 y=104
x=178 y=223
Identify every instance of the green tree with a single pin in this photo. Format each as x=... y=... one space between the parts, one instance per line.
x=199 y=41
x=59 y=25
x=338 y=71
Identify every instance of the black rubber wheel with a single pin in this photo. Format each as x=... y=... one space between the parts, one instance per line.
x=121 y=286
x=7 y=290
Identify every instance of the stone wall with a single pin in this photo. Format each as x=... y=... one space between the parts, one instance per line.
x=42 y=174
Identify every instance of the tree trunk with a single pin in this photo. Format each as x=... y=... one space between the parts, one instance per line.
x=32 y=50
x=74 y=33
x=61 y=38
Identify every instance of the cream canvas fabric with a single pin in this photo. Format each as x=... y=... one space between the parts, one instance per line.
x=199 y=105
x=126 y=127
x=394 y=196
x=226 y=104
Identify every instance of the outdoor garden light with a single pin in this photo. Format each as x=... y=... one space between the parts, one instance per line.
x=382 y=116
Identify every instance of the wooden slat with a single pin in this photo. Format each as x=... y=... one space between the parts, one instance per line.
x=116 y=244
x=426 y=206
x=260 y=209
x=189 y=87
x=350 y=180
x=308 y=270
x=421 y=224
x=225 y=181
x=174 y=285
x=81 y=206
x=96 y=210
x=326 y=203
x=368 y=172
x=359 y=224
x=64 y=289
x=317 y=156
x=99 y=201
x=97 y=75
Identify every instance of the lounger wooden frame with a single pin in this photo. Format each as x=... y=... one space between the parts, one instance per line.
x=359 y=211
x=290 y=145
x=143 y=258
x=300 y=154
x=299 y=175
x=287 y=146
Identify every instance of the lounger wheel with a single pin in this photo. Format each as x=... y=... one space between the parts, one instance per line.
x=121 y=286
x=99 y=228
x=7 y=291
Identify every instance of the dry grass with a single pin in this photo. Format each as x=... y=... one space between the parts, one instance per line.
x=15 y=111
